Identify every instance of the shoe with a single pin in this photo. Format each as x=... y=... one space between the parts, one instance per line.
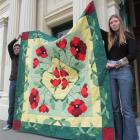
x=7 y=127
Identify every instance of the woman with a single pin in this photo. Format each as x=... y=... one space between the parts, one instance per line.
x=121 y=51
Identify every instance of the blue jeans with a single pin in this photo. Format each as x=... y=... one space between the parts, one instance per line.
x=121 y=90
x=12 y=90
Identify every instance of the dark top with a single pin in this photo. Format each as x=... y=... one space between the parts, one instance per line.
x=118 y=52
x=14 y=59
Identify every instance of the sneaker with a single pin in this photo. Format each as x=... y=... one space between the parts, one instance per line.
x=7 y=127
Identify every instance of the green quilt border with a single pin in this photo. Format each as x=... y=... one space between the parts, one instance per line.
x=103 y=75
x=73 y=133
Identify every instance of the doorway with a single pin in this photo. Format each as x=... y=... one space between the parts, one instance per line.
x=129 y=10
x=136 y=29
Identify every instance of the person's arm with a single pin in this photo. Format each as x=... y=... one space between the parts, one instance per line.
x=132 y=51
x=104 y=34
x=10 y=46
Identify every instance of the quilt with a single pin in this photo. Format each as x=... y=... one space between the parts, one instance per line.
x=63 y=86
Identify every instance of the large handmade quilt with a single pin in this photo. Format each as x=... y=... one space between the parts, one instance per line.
x=63 y=85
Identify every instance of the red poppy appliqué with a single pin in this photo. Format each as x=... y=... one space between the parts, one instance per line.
x=42 y=52
x=60 y=78
x=34 y=98
x=55 y=82
x=84 y=91
x=63 y=73
x=56 y=73
x=78 y=48
x=64 y=83
x=43 y=108
x=61 y=43
x=35 y=62
x=77 y=107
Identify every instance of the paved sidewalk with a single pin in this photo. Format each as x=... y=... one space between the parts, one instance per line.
x=139 y=131
x=14 y=135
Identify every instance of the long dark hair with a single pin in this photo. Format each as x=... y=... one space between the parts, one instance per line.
x=112 y=37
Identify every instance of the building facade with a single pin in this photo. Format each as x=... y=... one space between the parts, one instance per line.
x=55 y=17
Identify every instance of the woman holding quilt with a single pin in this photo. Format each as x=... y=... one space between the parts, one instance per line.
x=121 y=52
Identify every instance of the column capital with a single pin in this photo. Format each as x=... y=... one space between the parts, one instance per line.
x=113 y=7
x=3 y=22
x=116 y=1
x=3 y=39
x=1 y=1
x=113 y=3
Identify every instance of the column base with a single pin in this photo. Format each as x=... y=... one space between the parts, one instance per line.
x=3 y=106
x=138 y=121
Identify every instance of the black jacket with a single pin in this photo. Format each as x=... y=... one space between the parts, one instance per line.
x=14 y=59
x=117 y=52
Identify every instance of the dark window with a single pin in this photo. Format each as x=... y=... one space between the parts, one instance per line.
x=124 y=12
x=62 y=29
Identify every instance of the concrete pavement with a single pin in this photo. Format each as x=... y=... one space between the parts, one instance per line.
x=14 y=135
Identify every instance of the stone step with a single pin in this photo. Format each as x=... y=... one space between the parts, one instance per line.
x=3 y=107
x=3 y=112
x=3 y=100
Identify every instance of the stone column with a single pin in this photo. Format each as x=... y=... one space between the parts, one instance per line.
x=3 y=41
x=3 y=82
x=101 y=9
x=40 y=15
x=13 y=30
x=28 y=15
x=13 y=21
x=102 y=13
x=78 y=7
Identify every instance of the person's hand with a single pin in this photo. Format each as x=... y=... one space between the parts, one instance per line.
x=18 y=37
x=122 y=62
x=110 y=65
